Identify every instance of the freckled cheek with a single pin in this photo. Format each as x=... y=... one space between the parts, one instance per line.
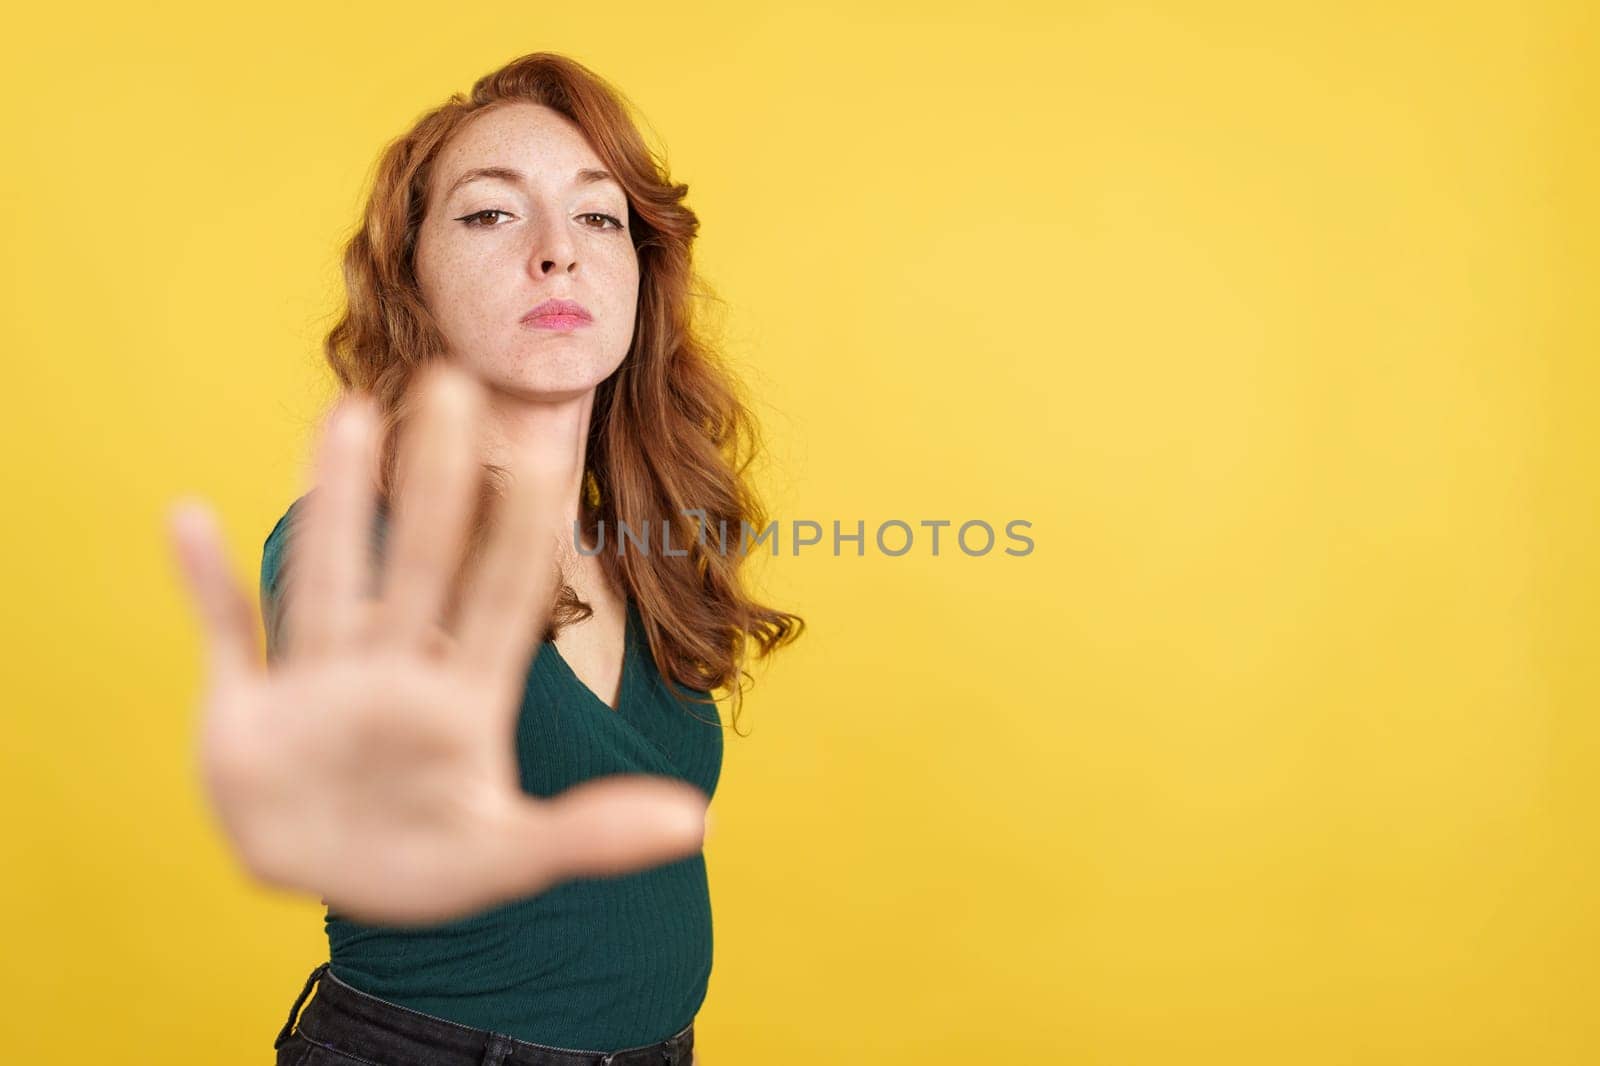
x=465 y=282
x=622 y=291
x=621 y=284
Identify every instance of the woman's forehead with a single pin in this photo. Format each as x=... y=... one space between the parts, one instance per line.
x=525 y=137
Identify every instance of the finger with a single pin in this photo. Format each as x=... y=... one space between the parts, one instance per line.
x=226 y=616
x=438 y=485
x=510 y=591
x=607 y=826
x=329 y=552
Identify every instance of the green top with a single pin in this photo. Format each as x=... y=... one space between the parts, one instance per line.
x=593 y=964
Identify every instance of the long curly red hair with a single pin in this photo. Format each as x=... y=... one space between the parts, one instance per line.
x=669 y=430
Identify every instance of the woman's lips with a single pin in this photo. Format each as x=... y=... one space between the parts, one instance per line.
x=555 y=321
x=558 y=314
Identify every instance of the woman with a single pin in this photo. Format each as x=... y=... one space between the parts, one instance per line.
x=510 y=851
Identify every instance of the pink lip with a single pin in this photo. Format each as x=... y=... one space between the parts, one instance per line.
x=558 y=314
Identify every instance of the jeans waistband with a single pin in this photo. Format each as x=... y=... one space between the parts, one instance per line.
x=354 y=1023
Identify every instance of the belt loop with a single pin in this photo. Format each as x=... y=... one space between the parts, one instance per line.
x=288 y=1026
x=495 y=1052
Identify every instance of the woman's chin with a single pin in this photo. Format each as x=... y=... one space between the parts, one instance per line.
x=545 y=384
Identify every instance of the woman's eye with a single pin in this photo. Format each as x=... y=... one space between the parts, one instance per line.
x=472 y=220
x=467 y=220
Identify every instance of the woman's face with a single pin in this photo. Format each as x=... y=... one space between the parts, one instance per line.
x=492 y=248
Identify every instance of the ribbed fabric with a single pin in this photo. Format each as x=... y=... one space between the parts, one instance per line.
x=595 y=964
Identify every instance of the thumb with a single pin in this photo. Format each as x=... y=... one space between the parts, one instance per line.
x=606 y=827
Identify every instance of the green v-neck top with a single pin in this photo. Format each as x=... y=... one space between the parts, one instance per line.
x=595 y=964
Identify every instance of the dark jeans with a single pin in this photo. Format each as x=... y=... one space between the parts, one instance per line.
x=342 y=1026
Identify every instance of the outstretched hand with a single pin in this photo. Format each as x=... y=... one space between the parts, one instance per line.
x=373 y=762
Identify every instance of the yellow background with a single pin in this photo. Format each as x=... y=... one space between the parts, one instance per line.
x=1276 y=322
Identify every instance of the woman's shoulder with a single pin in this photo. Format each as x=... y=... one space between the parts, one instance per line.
x=275 y=547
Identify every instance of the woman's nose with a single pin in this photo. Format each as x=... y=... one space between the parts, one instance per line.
x=553 y=249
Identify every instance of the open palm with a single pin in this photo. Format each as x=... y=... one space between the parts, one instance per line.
x=372 y=762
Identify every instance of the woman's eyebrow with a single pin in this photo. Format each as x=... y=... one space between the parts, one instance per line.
x=585 y=176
